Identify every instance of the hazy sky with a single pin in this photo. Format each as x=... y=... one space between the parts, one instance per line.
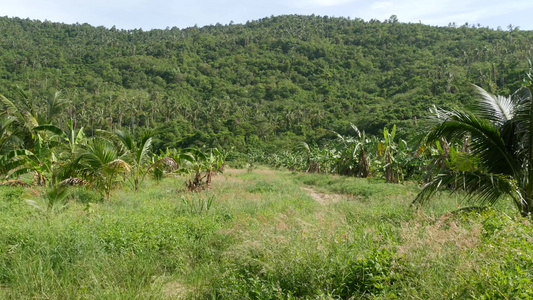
x=149 y=14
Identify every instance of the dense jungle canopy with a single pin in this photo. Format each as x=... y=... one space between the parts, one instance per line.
x=261 y=85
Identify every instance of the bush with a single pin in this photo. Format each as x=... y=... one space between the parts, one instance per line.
x=339 y=274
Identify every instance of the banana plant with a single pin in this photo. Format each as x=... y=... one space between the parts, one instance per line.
x=8 y=138
x=387 y=148
x=40 y=160
x=64 y=146
x=355 y=160
x=71 y=140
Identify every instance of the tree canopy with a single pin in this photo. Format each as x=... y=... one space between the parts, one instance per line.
x=267 y=83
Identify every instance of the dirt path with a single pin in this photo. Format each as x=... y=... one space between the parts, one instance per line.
x=319 y=197
x=257 y=171
x=322 y=198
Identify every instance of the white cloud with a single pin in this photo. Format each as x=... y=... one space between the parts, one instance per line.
x=322 y=3
x=382 y=5
x=129 y=14
x=442 y=12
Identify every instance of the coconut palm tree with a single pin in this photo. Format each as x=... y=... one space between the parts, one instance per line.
x=100 y=164
x=135 y=153
x=500 y=158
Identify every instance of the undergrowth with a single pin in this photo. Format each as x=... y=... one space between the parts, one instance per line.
x=258 y=235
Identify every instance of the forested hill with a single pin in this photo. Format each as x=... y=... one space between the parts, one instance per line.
x=266 y=82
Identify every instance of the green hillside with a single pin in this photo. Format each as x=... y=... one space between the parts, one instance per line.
x=262 y=84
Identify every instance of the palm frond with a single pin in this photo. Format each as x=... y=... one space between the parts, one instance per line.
x=523 y=122
x=143 y=149
x=99 y=153
x=126 y=139
x=485 y=141
x=72 y=181
x=166 y=162
x=120 y=139
x=10 y=108
x=481 y=188
x=52 y=201
x=496 y=108
x=119 y=164
x=53 y=129
x=55 y=106
x=13 y=182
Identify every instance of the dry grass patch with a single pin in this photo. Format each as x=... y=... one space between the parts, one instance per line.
x=174 y=290
x=444 y=237
x=322 y=198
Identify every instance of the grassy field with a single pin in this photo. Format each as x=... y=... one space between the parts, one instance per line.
x=263 y=234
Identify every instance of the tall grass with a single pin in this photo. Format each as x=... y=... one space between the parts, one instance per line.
x=263 y=237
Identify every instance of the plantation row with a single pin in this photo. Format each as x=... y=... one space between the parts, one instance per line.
x=30 y=143
x=362 y=155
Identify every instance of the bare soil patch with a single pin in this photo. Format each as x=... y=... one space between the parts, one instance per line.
x=322 y=198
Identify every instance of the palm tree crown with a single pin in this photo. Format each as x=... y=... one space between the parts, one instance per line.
x=500 y=161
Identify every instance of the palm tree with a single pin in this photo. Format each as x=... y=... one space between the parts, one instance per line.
x=100 y=164
x=65 y=145
x=52 y=201
x=135 y=153
x=500 y=158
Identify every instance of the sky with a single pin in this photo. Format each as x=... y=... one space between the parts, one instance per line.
x=160 y=14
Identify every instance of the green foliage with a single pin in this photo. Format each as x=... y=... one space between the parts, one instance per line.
x=282 y=91
x=498 y=159
x=275 y=244
x=263 y=187
x=509 y=276
x=102 y=163
x=196 y=204
x=360 y=156
x=52 y=201
x=341 y=275
x=279 y=80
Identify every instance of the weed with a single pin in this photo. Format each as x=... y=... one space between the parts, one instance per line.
x=52 y=201
x=196 y=204
x=259 y=235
